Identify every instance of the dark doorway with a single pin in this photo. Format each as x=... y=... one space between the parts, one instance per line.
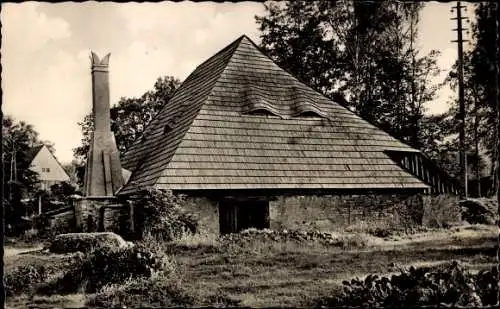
x=235 y=216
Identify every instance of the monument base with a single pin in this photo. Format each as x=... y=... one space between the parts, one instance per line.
x=103 y=214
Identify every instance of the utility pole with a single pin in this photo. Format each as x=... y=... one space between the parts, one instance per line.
x=414 y=119
x=460 y=40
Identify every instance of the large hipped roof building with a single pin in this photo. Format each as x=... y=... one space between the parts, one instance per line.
x=240 y=122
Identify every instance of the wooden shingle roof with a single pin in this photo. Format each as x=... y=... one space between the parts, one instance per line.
x=239 y=121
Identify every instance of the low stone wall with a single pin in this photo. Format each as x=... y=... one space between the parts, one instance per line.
x=207 y=212
x=336 y=212
x=117 y=219
x=63 y=222
x=88 y=213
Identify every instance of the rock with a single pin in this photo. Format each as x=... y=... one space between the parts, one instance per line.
x=85 y=242
x=479 y=211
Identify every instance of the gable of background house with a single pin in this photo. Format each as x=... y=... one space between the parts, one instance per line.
x=48 y=168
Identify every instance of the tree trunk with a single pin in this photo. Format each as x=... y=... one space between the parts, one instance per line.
x=497 y=99
x=476 y=142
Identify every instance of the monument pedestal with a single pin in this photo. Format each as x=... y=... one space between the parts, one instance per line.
x=103 y=214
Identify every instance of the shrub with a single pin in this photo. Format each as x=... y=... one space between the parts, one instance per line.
x=441 y=211
x=30 y=236
x=164 y=215
x=106 y=266
x=21 y=278
x=479 y=211
x=447 y=284
x=158 y=291
x=326 y=239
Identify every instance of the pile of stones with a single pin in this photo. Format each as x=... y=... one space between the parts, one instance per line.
x=324 y=238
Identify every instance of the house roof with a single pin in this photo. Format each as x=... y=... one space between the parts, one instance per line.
x=35 y=150
x=32 y=152
x=239 y=121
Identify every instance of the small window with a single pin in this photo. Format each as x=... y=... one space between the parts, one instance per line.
x=310 y=114
x=261 y=112
x=45 y=169
x=167 y=128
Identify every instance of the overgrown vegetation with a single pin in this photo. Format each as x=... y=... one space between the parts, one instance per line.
x=441 y=211
x=163 y=215
x=340 y=240
x=250 y=269
x=480 y=211
x=105 y=266
x=156 y=291
x=449 y=284
x=23 y=278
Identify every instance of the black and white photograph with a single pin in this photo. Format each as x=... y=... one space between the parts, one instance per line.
x=247 y=154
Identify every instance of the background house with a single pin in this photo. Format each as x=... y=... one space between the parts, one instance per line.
x=46 y=165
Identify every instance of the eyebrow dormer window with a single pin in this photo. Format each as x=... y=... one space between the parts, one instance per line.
x=310 y=114
x=305 y=105
x=258 y=103
x=262 y=112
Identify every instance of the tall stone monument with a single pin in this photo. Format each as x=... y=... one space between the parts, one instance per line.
x=99 y=209
x=103 y=173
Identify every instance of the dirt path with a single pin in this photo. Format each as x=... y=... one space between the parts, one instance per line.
x=13 y=251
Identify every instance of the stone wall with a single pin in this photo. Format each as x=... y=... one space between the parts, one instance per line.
x=324 y=213
x=338 y=212
x=88 y=212
x=117 y=219
x=207 y=212
x=63 y=222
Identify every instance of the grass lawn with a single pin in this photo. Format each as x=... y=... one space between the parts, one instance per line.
x=290 y=274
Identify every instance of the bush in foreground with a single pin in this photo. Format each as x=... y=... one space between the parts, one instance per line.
x=157 y=291
x=447 y=284
x=23 y=278
x=20 y=279
x=105 y=266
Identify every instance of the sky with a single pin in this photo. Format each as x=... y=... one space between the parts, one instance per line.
x=46 y=47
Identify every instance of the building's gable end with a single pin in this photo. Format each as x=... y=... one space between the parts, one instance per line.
x=48 y=167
